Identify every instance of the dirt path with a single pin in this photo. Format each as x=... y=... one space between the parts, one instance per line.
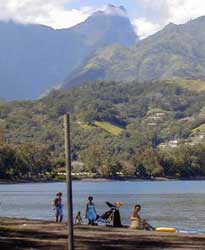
x=42 y=235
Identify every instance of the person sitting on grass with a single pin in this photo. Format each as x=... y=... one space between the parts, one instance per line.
x=137 y=222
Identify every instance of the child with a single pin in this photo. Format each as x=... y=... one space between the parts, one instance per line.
x=137 y=222
x=78 y=219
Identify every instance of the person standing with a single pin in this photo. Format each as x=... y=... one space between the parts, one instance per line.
x=91 y=214
x=58 y=204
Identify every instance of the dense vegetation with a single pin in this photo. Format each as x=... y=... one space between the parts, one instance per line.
x=117 y=128
x=27 y=161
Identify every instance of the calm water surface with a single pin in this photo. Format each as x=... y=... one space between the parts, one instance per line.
x=179 y=204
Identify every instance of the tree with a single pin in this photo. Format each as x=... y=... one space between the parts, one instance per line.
x=35 y=159
x=147 y=163
x=7 y=162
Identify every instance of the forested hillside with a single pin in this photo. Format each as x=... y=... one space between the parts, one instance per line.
x=146 y=129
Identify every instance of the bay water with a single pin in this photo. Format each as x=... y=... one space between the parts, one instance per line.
x=179 y=204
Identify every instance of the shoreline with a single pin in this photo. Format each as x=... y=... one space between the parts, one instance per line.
x=157 y=179
x=11 y=182
x=125 y=226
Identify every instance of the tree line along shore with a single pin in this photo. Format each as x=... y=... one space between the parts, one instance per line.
x=30 y=162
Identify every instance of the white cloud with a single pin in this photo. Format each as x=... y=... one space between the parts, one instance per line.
x=48 y=12
x=158 y=13
x=145 y=28
x=155 y=15
x=181 y=11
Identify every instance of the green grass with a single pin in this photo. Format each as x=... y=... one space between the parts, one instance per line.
x=106 y=126
x=113 y=129
x=192 y=85
x=155 y=110
x=199 y=129
x=85 y=126
x=7 y=228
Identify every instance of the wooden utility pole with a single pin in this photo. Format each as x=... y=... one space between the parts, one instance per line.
x=69 y=181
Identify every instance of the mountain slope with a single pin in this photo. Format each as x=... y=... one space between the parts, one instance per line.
x=122 y=116
x=178 y=51
x=35 y=58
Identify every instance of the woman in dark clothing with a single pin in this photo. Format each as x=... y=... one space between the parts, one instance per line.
x=58 y=204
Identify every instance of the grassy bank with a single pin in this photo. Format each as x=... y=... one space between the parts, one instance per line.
x=21 y=234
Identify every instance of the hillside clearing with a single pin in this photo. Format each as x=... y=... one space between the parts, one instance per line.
x=108 y=127
x=192 y=85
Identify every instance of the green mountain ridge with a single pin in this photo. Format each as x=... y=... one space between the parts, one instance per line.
x=126 y=105
x=176 y=52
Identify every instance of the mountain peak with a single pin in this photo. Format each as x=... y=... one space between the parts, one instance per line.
x=113 y=10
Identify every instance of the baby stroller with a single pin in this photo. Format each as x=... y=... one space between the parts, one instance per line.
x=112 y=216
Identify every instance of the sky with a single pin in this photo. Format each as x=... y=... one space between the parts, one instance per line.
x=147 y=16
